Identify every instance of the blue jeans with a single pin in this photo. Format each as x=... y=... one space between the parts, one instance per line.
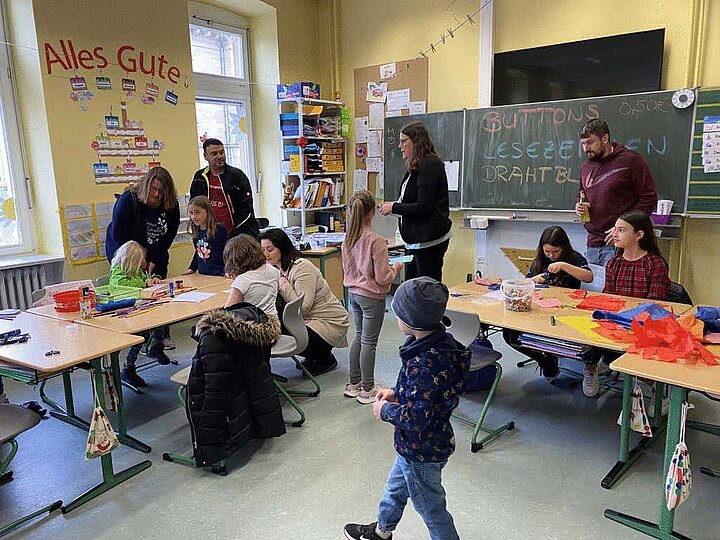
x=599 y=255
x=422 y=482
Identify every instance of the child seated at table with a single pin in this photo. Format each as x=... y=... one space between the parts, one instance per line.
x=556 y=263
x=128 y=268
x=256 y=282
x=209 y=238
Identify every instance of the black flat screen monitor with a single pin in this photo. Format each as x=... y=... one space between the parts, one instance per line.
x=594 y=67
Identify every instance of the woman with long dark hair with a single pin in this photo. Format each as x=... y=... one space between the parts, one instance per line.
x=423 y=204
x=327 y=321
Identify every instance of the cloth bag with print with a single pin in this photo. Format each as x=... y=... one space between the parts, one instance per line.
x=638 y=417
x=101 y=438
x=679 y=477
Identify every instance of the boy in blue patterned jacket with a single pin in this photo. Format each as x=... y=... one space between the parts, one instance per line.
x=427 y=390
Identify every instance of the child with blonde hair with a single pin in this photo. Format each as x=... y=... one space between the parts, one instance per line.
x=256 y=282
x=129 y=268
x=368 y=276
x=209 y=238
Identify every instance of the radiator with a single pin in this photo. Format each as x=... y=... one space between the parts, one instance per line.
x=17 y=285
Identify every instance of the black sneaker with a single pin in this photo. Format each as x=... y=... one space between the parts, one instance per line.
x=550 y=369
x=157 y=354
x=319 y=369
x=129 y=375
x=354 y=531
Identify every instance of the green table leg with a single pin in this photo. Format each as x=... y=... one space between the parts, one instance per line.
x=628 y=457
x=67 y=414
x=664 y=528
x=123 y=436
x=110 y=478
x=50 y=508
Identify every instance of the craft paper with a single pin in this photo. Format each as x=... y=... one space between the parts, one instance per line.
x=547 y=302
x=603 y=302
x=376 y=92
x=584 y=325
x=452 y=171
x=398 y=99
x=376 y=116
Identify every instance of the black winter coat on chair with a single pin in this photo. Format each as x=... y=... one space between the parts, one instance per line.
x=231 y=397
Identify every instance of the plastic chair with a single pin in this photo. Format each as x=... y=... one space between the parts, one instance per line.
x=465 y=327
x=15 y=420
x=43 y=297
x=102 y=281
x=289 y=347
x=598 y=282
x=181 y=379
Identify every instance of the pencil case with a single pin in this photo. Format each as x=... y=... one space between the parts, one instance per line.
x=118 y=304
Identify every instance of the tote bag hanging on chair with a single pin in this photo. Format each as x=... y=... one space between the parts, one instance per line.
x=101 y=438
x=638 y=417
x=679 y=477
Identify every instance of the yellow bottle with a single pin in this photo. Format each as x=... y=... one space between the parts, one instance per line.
x=585 y=216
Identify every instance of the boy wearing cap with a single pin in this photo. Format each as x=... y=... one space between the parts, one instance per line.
x=427 y=390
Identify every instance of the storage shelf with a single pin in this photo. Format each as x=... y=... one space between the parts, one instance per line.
x=314 y=208
x=313 y=138
x=310 y=101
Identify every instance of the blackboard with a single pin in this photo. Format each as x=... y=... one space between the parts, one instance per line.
x=529 y=156
x=704 y=188
x=446 y=133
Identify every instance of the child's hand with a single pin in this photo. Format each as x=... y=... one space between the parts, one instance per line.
x=538 y=279
x=153 y=281
x=397 y=267
x=556 y=267
x=187 y=272
x=377 y=408
x=386 y=393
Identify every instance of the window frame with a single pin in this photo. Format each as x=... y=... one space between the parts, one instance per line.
x=228 y=90
x=16 y=152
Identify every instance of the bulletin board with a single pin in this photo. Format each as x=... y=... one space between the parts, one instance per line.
x=407 y=74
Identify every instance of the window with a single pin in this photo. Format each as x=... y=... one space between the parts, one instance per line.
x=222 y=84
x=15 y=225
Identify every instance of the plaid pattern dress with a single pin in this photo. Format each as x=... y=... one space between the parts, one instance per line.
x=646 y=277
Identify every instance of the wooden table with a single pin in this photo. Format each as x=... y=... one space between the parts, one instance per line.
x=200 y=281
x=681 y=378
x=77 y=345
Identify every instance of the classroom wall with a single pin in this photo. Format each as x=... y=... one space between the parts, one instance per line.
x=377 y=32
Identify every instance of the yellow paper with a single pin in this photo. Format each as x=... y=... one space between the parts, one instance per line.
x=584 y=325
x=294 y=163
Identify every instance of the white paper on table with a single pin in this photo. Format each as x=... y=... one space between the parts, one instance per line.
x=389 y=114
x=398 y=99
x=374 y=147
x=452 y=171
x=373 y=164
x=376 y=116
x=361 y=129
x=417 y=107
x=193 y=296
x=387 y=70
x=360 y=180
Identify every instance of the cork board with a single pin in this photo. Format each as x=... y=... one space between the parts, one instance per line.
x=410 y=74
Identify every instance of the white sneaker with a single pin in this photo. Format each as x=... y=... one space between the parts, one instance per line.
x=168 y=344
x=352 y=390
x=591 y=384
x=4 y=399
x=368 y=396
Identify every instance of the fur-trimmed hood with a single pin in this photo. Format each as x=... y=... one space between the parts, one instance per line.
x=243 y=323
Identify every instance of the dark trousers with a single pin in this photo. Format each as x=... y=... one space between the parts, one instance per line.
x=318 y=352
x=155 y=344
x=427 y=262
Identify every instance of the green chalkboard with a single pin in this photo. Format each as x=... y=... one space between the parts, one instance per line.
x=529 y=157
x=446 y=133
x=704 y=189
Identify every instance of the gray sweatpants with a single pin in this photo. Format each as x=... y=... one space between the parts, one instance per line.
x=368 y=314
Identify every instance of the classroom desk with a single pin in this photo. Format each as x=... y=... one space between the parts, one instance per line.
x=77 y=345
x=329 y=262
x=681 y=378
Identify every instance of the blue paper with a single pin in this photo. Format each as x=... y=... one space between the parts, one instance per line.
x=624 y=318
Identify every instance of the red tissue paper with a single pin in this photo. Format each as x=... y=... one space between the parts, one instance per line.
x=669 y=340
x=602 y=301
x=614 y=331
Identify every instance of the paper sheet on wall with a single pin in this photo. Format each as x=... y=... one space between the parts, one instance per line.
x=417 y=107
x=374 y=147
x=398 y=99
x=376 y=116
x=359 y=180
x=376 y=92
x=373 y=164
x=361 y=129
x=452 y=171
x=387 y=71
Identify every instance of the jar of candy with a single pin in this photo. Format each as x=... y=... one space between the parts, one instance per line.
x=517 y=294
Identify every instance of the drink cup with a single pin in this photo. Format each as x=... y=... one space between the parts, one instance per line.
x=664 y=207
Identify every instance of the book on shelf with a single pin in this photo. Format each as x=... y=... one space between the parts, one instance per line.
x=319 y=192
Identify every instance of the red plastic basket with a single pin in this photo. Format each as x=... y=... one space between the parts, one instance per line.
x=69 y=301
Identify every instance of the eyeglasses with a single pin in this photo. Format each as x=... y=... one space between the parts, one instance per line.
x=403 y=141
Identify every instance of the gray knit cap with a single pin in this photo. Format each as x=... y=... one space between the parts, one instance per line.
x=420 y=303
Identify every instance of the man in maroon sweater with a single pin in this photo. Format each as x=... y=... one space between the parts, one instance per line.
x=615 y=180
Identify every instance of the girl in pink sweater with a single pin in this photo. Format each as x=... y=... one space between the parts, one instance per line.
x=368 y=276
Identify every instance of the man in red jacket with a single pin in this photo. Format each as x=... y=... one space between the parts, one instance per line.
x=615 y=180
